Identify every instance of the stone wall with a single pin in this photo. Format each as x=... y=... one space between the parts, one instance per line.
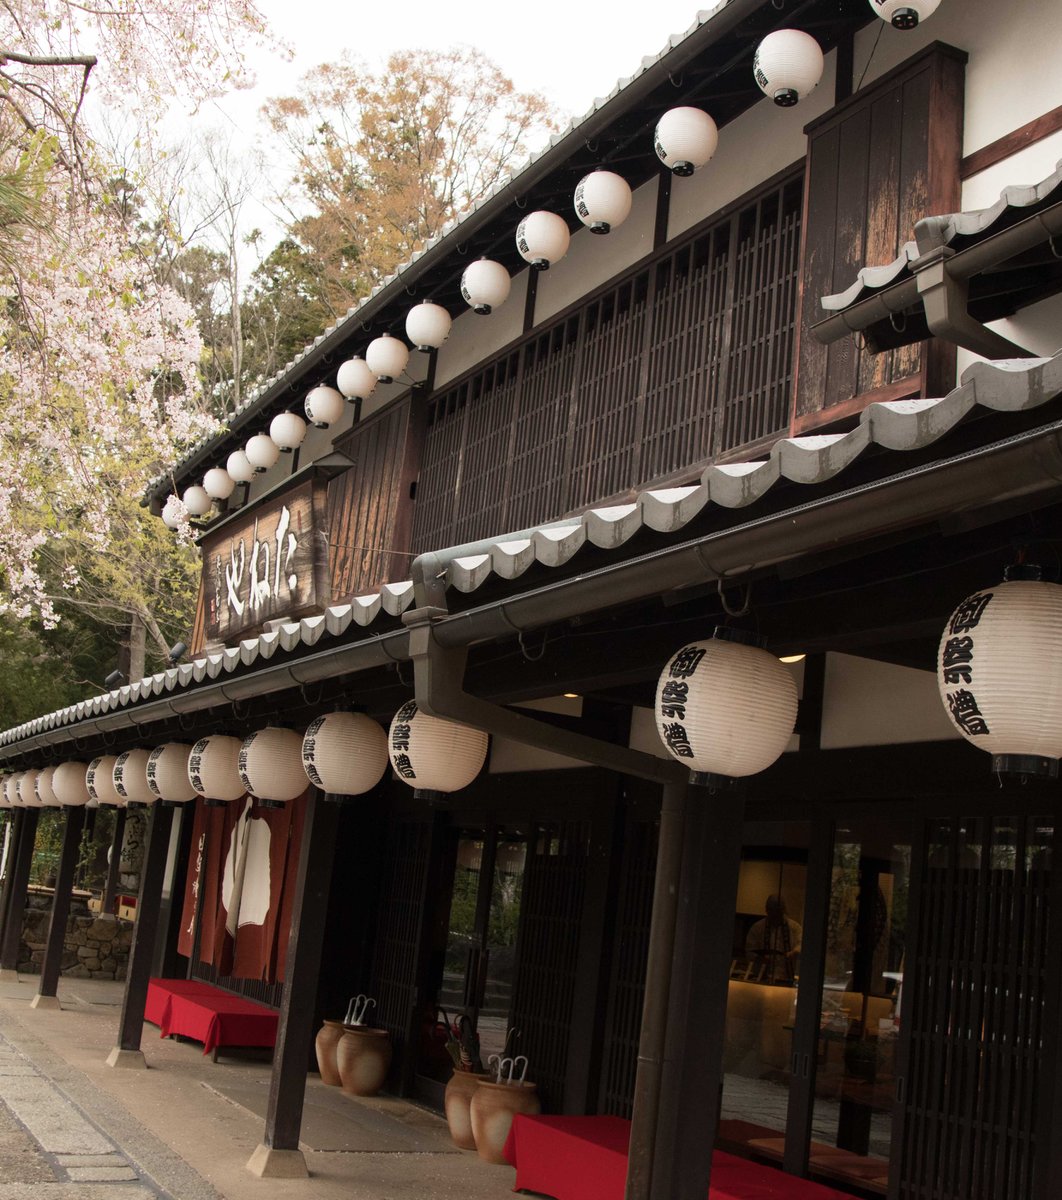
x=95 y=947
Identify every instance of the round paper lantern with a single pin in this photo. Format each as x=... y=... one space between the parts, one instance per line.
x=214 y=768
x=542 y=239
x=485 y=285
x=196 y=501
x=287 y=430
x=386 y=357
x=685 y=139
x=432 y=753
x=724 y=708
x=99 y=779
x=167 y=773
x=602 y=200
x=262 y=452
x=69 y=785
x=271 y=766
x=788 y=65
x=45 y=790
x=999 y=668
x=324 y=406
x=130 y=777
x=428 y=325
x=27 y=789
x=238 y=466
x=904 y=14
x=11 y=796
x=344 y=753
x=355 y=380
x=172 y=513
x=4 y=802
x=218 y=483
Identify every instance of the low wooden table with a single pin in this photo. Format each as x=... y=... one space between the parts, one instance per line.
x=193 y=1009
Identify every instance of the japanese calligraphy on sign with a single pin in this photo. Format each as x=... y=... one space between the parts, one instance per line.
x=673 y=698
x=957 y=666
x=261 y=568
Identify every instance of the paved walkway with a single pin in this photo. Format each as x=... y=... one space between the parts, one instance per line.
x=72 y=1128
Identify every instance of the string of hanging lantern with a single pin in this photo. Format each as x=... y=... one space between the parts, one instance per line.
x=787 y=66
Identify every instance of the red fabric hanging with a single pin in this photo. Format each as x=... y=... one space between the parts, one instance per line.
x=203 y=873
x=263 y=887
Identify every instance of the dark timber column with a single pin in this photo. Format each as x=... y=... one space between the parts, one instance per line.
x=167 y=956
x=278 y=1155
x=110 y=889
x=16 y=905
x=64 y=885
x=128 y=1053
x=692 y=1083
x=651 y=1042
x=12 y=858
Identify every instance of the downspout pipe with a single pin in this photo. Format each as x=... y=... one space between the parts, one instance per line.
x=439 y=674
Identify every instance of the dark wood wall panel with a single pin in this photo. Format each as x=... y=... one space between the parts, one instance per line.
x=363 y=506
x=977 y=1012
x=678 y=363
x=877 y=163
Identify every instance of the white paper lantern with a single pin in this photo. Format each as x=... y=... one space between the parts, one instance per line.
x=262 y=452
x=99 y=779
x=386 y=357
x=11 y=797
x=287 y=430
x=485 y=285
x=434 y=754
x=214 y=768
x=724 y=708
x=271 y=765
x=999 y=669
x=602 y=200
x=324 y=406
x=344 y=753
x=239 y=468
x=45 y=790
x=685 y=139
x=27 y=789
x=196 y=501
x=428 y=325
x=355 y=380
x=542 y=239
x=904 y=14
x=167 y=773
x=69 y=785
x=788 y=65
x=4 y=801
x=172 y=513
x=218 y=483
x=130 y=777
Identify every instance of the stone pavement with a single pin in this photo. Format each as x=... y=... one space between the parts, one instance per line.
x=72 y=1128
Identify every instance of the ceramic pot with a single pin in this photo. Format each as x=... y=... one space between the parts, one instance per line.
x=492 y=1110
x=326 y=1042
x=458 y=1097
x=363 y=1057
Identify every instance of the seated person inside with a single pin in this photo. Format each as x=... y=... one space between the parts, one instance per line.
x=772 y=945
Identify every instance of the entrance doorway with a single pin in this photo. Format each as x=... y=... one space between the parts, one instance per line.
x=474 y=987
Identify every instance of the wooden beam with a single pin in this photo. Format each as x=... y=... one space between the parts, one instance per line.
x=1010 y=143
x=16 y=840
x=127 y=1052
x=64 y=885
x=17 y=902
x=278 y=1155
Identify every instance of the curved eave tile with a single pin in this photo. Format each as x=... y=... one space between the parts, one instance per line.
x=873 y=279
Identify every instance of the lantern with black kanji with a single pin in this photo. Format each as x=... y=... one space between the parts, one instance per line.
x=214 y=769
x=344 y=753
x=130 y=778
x=999 y=668
x=167 y=773
x=432 y=754
x=725 y=707
x=99 y=779
x=270 y=765
x=68 y=783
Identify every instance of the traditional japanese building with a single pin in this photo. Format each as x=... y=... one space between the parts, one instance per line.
x=810 y=392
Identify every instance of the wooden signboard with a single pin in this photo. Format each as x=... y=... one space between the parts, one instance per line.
x=267 y=564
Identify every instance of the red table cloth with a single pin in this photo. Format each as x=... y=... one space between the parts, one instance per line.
x=585 y=1158
x=193 y=1009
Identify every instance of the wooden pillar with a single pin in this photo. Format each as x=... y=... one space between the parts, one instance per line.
x=168 y=955
x=16 y=906
x=16 y=840
x=127 y=1052
x=110 y=890
x=692 y=1082
x=278 y=1155
x=64 y=885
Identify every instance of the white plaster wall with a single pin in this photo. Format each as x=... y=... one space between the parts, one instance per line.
x=869 y=703
x=473 y=338
x=764 y=140
x=507 y=756
x=593 y=259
